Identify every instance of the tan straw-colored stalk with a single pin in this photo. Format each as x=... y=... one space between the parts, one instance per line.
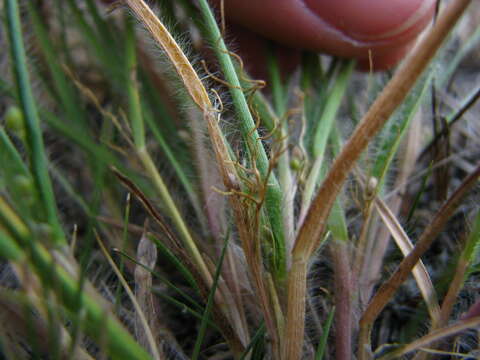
x=311 y=233
x=182 y=65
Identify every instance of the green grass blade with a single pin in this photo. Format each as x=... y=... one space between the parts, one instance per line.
x=15 y=177
x=325 y=123
x=108 y=58
x=176 y=164
x=9 y=250
x=337 y=221
x=98 y=322
x=452 y=66
x=163 y=279
x=280 y=99
x=37 y=153
x=103 y=27
x=322 y=344
x=10 y=159
x=279 y=89
x=63 y=89
x=419 y=194
x=70 y=190
x=185 y=308
x=472 y=249
x=175 y=261
x=210 y=302
x=315 y=84
x=274 y=196
x=135 y=108
x=397 y=129
x=259 y=334
x=323 y=130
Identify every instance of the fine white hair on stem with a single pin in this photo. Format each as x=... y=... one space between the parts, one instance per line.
x=176 y=55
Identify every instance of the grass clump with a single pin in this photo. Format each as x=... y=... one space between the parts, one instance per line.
x=264 y=245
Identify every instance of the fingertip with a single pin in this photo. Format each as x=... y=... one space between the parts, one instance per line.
x=345 y=28
x=374 y=20
x=379 y=61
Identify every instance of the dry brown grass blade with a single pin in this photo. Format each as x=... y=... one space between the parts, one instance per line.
x=247 y=229
x=196 y=90
x=453 y=290
x=343 y=280
x=147 y=256
x=194 y=85
x=182 y=65
x=458 y=115
x=173 y=241
x=216 y=214
x=310 y=234
x=419 y=271
x=433 y=336
x=387 y=290
x=390 y=98
x=296 y=304
x=174 y=245
x=376 y=252
x=226 y=166
x=152 y=345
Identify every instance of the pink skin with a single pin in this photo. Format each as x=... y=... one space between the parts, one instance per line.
x=346 y=28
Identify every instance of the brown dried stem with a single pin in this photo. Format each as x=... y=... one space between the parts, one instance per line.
x=432 y=337
x=183 y=67
x=343 y=300
x=310 y=234
x=387 y=290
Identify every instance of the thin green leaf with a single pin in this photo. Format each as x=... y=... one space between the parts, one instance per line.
x=398 y=126
x=163 y=279
x=69 y=99
x=10 y=159
x=38 y=158
x=138 y=310
x=419 y=194
x=108 y=58
x=323 y=131
x=337 y=221
x=472 y=248
x=184 y=308
x=322 y=344
x=274 y=196
x=210 y=302
x=9 y=250
x=257 y=337
x=177 y=166
x=134 y=105
x=176 y=262
x=98 y=322
x=452 y=65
